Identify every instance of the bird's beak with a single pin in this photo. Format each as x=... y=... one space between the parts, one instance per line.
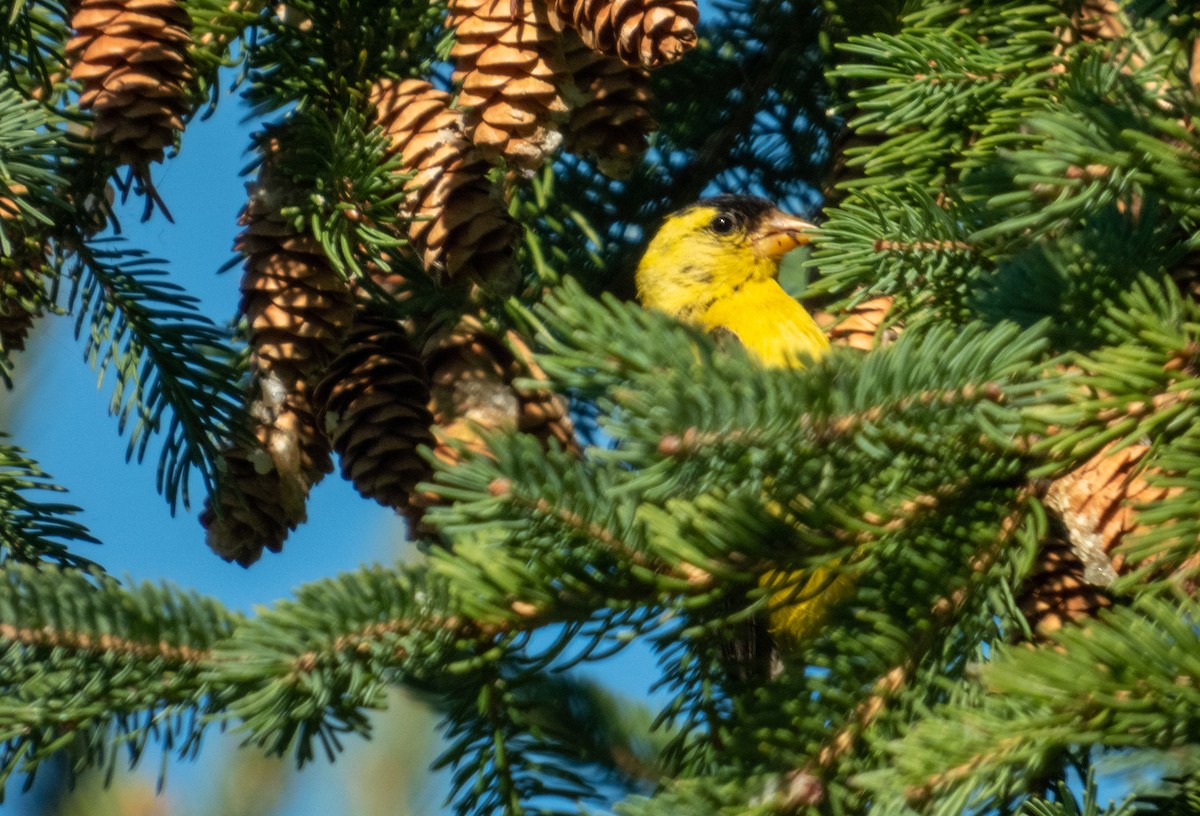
x=779 y=233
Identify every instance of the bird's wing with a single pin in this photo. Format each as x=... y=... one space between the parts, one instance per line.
x=724 y=337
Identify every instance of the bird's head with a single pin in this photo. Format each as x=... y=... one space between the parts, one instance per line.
x=706 y=251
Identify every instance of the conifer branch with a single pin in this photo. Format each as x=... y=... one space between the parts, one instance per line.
x=1085 y=689
x=92 y=666
x=503 y=488
x=30 y=530
x=46 y=637
x=889 y=685
x=164 y=355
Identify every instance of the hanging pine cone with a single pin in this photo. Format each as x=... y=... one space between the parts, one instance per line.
x=298 y=310
x=297 y=306
x=375 y=401
x=131 y=59
x=644 y=33
x=472 y=373
x=860 y=327
x=1056 y=592
x=459 y=225
x=509 y=64
x=610 y=118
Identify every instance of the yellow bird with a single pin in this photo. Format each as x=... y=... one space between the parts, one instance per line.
x=715 y=265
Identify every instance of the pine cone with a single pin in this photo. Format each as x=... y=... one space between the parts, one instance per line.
x=472 y=375
x=611 y=117
x=1056 y=592
x=1093 y=505
x=131 y=59
x=643 y=33
x=509 y=63
x=375 y=402
x=1095 y=502
x=298 y=310
x=859 y=328
x=263 y=491
x=459 y=225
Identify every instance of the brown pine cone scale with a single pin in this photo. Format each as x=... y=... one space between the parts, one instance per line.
x=611 y=117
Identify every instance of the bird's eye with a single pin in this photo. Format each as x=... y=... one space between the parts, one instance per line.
x=722 y=225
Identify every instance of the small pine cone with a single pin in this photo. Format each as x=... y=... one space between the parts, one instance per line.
x=641 y=33
x=860 y=327
x=375 y=401
x=509 y=64
x=297 y=306
x=131 y=59
x=459 y=225
x=265 y=486
x=611 y=118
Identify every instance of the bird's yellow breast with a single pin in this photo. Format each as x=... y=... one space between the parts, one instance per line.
x=768 y=322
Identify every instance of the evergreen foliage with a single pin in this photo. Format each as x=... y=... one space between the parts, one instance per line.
x=1022 y=178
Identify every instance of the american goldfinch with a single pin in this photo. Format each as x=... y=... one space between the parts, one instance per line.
x=715 y=265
